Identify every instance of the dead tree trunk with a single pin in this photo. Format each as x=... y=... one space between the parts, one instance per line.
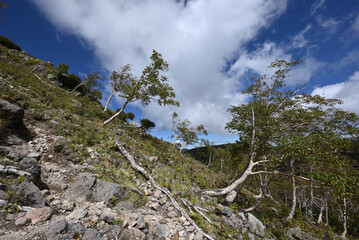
x=108 y=100
x=141 y=170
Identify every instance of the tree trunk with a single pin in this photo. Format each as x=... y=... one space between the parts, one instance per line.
x=294 y=193
x=310 y=207
x=260 y=197
x=344 y=218
x=108 y=100
x=209 y=160
x=222 y=161
x=320 y=217
x=323 y=206
x=238 y=184
x=140 y=169
x=326 y=214
x=115 y=115
x=76 y=87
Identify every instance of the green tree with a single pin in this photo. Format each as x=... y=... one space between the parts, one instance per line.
x=147 y=124
x=174 y=122
x=91 y=81
x=119 y=80
x=278 y=123
x=150 y=86
x=187 y=134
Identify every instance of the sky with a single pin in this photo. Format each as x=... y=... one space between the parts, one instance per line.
x=213 y=47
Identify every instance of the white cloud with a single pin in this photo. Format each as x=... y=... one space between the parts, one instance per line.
x=346 y=91
x=355 y=25
x=331 y=25
x=299 y=40
x=196 y=40
x=316 y=6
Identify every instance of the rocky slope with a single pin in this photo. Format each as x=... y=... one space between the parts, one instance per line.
x=62 y=176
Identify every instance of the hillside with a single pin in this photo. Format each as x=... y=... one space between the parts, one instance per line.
x=63 y=176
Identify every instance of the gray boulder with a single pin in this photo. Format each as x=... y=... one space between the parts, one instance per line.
x=11 y=112
x=106 y=191
x=29 y=195
x=81 y=187
x=32 y=166
x=92 y=234
x=227 y=211
x=297 y=233
x=256 y=225
x=56 y=229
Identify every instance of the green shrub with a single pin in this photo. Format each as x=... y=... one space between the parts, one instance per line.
x=147 y=124
x=8 y=43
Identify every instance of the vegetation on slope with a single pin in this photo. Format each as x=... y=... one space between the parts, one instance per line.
x=78 y=118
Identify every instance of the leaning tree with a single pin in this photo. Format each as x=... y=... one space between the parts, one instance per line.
x=151 y=85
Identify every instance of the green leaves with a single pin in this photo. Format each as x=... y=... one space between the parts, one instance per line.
x=150 y=86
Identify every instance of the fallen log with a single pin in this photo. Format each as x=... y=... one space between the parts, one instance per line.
x=143 y=171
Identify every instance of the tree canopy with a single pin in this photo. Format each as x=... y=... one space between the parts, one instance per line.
x=150 y=86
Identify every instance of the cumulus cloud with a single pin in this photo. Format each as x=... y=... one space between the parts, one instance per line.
x=346 y=91
x=197 y=38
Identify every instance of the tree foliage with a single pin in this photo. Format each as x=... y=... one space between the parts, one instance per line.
x=151 y=86
x=294 y=134
x=147 y=124
x=187 y=134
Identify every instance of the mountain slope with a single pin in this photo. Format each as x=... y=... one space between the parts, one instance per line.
x=63 y=178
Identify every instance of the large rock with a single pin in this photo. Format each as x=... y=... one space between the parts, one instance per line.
x=156 y=230
x=39 y=215
x=106 y=191
x=91 y=234
x=57 y=228
x=227 y=211
x=32 y=166
x=133 y=233
x=256 y=225
x=81 y=187
x=12 y=129
x=11 y=112
x=297 y=234
x=78 y=214
x=28 y=194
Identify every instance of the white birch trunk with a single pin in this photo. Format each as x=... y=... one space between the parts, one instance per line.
x=115 y=115
x=108 y=100
x=294 y=193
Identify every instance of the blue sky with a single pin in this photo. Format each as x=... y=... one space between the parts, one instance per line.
x=213 y=47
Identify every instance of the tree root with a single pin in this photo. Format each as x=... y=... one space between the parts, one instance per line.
x=140 y=169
